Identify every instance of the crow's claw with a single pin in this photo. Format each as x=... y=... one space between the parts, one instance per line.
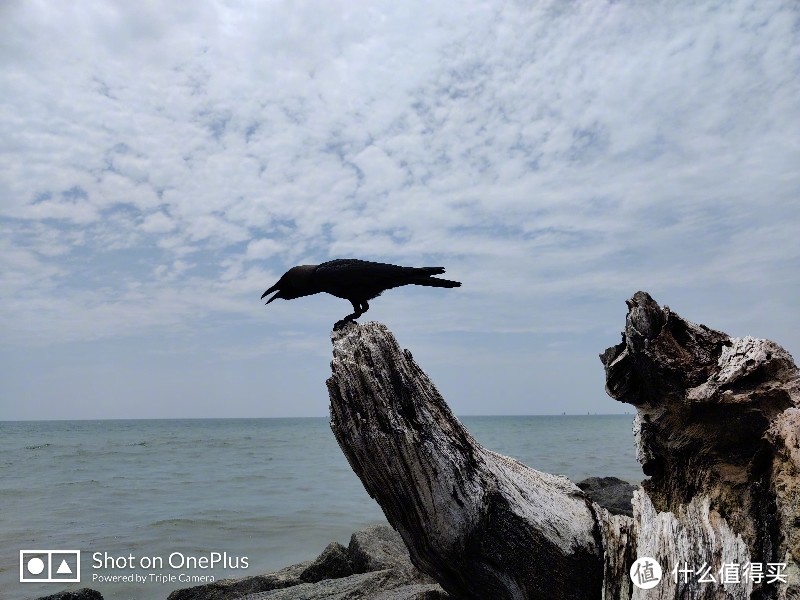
x=340 y=324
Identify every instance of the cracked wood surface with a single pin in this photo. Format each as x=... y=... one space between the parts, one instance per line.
x=482 y=524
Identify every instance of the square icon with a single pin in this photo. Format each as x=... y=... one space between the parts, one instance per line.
x=49 y=566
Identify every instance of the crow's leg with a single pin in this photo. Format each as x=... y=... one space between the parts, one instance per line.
x=357 y=312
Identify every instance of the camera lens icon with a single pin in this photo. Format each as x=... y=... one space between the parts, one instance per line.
x=49 y=566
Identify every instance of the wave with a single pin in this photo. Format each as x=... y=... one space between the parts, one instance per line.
x=183 y=522
x=37 y=446
x=78 y=482
x=237 y=523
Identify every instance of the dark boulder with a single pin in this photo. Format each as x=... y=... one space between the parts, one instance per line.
x=333 y=563
x=611 y=493
x=81 y=594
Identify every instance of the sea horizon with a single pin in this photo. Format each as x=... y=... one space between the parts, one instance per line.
x=459 y=416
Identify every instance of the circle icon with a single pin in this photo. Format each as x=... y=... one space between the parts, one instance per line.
x=35 y=566
x=645 y=572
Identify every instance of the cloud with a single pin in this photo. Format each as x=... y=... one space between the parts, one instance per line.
x=157 y=222
x=169 y=162
x=262 y=249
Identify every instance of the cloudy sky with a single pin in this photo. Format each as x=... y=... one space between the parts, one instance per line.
x=163 y=163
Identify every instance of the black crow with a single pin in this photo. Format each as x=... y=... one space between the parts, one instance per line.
x=355 y=280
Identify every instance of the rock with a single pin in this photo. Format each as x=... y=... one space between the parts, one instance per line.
x=386 y=584
x=376 y=548
x=334 y=562
x=611 y=493
x=81 y=594
x=237 y=588
x=413 y=592
x=374 y=565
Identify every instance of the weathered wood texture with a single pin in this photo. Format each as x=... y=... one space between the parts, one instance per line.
x=717 y=429
x=483 y=525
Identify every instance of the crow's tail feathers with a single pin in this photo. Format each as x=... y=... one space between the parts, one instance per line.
x=428 y=271
x=423 y=276
x=433 y=282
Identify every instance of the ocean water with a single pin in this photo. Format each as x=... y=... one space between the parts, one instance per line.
x=275 y=491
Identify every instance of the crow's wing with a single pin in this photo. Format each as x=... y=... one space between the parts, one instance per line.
x=356 y=279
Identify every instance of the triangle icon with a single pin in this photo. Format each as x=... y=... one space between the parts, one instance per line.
x=64 y=568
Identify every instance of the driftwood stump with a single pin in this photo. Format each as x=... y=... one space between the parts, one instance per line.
x=717 y=430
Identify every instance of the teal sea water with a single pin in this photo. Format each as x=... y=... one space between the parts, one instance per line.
x=275 y=491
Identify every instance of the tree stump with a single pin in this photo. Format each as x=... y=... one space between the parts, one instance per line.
x=717 y=430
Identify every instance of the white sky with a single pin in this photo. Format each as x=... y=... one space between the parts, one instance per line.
x=162 y=163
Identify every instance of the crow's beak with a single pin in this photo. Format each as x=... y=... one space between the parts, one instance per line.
x=269 y=291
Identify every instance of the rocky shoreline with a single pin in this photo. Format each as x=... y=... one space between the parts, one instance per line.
x=375 y=564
